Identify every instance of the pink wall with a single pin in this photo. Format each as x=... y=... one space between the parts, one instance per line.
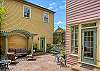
x=79 y=11
x=82 y=10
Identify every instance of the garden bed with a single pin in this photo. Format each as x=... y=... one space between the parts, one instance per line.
x=38 y=53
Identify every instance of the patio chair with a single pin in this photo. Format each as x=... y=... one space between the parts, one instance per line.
x=30 y=57
x=11 y=56
x=4 y=62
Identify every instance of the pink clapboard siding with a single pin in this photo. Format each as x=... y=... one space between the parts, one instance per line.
x=79 y=11
x=82 y=10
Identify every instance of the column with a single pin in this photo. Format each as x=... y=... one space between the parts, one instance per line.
x=27 y=44
x=32 y=45
x=79 y=48
x=98 y=44
x=6 y=45
x=45 y=45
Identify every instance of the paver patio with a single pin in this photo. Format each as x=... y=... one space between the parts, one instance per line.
x=42 y=63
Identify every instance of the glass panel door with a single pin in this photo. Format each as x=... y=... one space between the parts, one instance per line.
x=89 y=45
x=42 y=44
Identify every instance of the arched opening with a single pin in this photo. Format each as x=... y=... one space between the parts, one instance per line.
x=17 y=41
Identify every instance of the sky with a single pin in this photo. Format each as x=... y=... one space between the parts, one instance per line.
x=59 y=6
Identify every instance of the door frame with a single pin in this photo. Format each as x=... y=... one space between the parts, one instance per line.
x=82 y=46
x=44 y=43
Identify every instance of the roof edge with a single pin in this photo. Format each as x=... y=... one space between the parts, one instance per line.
x=31 y=4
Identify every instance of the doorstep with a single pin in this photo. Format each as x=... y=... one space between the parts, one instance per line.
x=84 y=67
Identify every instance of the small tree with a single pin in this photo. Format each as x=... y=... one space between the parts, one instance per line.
x=2 y=12
x=2 y=15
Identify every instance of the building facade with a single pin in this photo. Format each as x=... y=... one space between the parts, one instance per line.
x=83 y=32
x=26 y=24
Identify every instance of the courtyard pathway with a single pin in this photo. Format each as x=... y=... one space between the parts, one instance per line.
x=42 y=63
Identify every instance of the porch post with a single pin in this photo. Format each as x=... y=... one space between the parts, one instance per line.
x=27 y=43
x=45 y=46
x=6 y=45
x=32 y=45
x=80 y=48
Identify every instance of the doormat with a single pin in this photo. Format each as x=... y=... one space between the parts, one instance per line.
x=87 y=66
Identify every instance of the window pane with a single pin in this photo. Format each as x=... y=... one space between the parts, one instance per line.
x=85 y=33
x=85 y=38
x=26 y=12
x=72 y=35
x=76 y=43
x=74 y=39
x=76 y=28
x=72 y=28
x=76 y=35
x=45 y=17
x=76 y=50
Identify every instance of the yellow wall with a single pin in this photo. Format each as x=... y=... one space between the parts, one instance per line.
x=15 y=20
x=1 y=42
x=17 y=41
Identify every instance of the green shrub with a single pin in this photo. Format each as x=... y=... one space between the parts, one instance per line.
x=49 y=48
x=63 y=52
x=39 y=50
x=2 y=51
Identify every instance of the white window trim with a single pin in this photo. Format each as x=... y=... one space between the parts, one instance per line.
x=30 y=11
x=2 y=3
x=43 y=17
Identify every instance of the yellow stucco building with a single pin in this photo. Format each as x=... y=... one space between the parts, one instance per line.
x=26 y=24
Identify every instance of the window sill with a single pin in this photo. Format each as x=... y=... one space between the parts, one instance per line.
x=74 y=55
x=46 y=22
x=27 y=17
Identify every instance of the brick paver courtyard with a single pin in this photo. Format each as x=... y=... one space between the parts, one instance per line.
x=42 y=63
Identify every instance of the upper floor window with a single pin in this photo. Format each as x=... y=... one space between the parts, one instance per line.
x=27 y=12
x=45 y=18
x=1 y=3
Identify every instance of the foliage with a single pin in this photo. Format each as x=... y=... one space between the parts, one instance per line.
x=35 y=46
x=54 y=49
x=38 y=50
x=49 y=48
x=59 y=36
x=2 y=51
x=2 y=12
x=63 y=52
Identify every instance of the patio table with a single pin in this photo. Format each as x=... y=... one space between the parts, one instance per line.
x=4 y=63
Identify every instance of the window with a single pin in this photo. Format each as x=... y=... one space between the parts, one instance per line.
x=45 y=18
x=1 y=3
x=27 y=12
x=74 y=39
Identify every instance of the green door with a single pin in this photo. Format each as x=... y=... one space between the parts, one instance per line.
x=89 y=46
x=42 y=44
